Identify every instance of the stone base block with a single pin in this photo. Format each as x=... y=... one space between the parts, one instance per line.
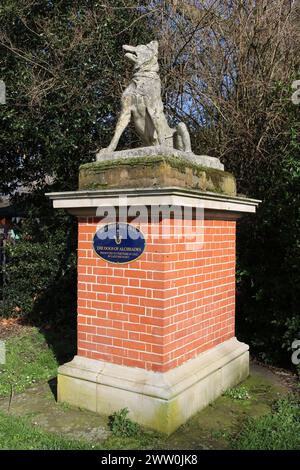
x=161 y=401
x=158 y=171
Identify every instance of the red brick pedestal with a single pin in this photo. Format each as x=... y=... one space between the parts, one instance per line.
x=156 y=335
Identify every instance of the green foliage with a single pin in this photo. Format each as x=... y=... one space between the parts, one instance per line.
x=279 y=430
x=40 y=278
x=121 y=426
x=268 y=281
x=62 y=64
x=238 y=393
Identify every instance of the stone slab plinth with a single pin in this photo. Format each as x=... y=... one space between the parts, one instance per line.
x=154 y=172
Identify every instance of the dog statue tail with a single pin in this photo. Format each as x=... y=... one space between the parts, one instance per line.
x=182 y=140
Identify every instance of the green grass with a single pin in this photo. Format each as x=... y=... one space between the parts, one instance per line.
x=18 y=434
x=29 y=359
x=121 y=426
x=279 y=430
x=238 y=393
x=146 y=440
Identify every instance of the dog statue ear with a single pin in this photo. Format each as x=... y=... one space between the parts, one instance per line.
x=153 y=45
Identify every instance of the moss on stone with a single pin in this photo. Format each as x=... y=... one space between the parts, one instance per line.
x=152 y=161
x=154 y=171
x=167 y=413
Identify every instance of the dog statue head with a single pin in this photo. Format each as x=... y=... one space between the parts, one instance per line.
x=144 y=57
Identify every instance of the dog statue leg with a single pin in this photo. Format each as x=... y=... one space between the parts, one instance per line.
x=182 y=140
x=122 y=123
x=157 y=121
x=157 y=127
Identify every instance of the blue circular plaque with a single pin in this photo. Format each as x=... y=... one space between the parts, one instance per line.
x=119 y=243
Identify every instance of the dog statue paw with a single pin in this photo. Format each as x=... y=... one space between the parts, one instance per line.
x=102 y=152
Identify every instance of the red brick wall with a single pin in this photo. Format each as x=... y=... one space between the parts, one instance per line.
x=162 y=309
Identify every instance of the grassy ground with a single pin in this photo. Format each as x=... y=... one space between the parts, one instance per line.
x=243 y=418
x=19 y=434
x=33 y=356
x=278 y=430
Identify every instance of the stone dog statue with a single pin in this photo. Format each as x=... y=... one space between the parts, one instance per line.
x=142 y=101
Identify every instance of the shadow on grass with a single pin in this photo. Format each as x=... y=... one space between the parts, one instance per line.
x=63 y=342
x=54 y=314
x=53 y=387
